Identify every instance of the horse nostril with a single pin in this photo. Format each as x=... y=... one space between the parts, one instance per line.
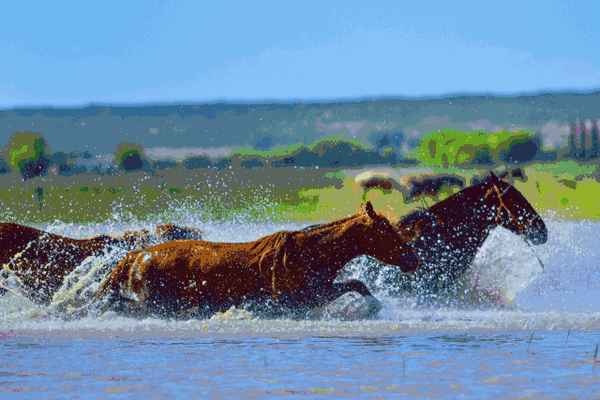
x=538 y=236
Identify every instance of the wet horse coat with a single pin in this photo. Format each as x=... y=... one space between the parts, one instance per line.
x=41 y=260
x=448 y=235
x=296 y=269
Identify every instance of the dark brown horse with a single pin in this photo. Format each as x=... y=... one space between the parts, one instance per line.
x=41 y=260
x=295 y=269
x=449 y=234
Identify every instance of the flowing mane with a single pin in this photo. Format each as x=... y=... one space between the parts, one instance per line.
x=325 y=225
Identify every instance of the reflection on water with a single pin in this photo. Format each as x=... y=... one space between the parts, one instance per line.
x=441 y=365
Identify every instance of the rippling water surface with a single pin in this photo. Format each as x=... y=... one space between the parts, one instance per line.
x=541 y=343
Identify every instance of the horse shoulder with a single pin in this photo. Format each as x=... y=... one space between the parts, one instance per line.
x=282 y=280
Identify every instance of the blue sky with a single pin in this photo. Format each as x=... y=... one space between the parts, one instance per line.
x=77 y=52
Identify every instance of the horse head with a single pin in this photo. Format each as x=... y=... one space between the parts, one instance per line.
x=512 y=211
x=168 y=232
x=383 y=241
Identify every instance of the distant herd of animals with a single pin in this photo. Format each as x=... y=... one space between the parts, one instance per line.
x=173 y=270
x=415 y=187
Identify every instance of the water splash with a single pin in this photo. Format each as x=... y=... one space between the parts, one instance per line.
x=505 y=266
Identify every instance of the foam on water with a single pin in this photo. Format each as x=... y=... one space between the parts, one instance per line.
x=563 y=296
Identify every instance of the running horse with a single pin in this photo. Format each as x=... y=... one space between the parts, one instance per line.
x=292 y=270
x=448 y=234
x=41 y=260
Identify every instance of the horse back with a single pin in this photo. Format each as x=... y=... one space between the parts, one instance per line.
x=186 y=273
x=14 y=238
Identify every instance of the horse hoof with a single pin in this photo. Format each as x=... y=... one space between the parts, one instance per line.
x=351 y=306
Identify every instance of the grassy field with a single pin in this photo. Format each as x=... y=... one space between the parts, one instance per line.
x=565 y=189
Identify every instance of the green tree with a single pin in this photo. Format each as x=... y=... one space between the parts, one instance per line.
x=572 y=140
x=389 y=155
x=383 y=139
x=582 y=141
x=519 y=150
x=461 y=148
x=27 y=153
x=199 y=161
x=4 y=168
x=337 y=152
x=595 y=138
x=130 y=157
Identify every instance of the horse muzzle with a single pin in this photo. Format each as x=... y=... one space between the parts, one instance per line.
x=537 y=234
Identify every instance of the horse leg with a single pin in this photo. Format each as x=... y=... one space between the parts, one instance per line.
x=340 y=288
x=352 y=285
x=351 y=307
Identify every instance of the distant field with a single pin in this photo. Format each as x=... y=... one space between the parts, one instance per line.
x=564 y=189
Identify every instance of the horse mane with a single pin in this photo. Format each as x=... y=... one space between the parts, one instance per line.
x=439 y=207
x=414 y=216
x=267 y=242
x=315 y=227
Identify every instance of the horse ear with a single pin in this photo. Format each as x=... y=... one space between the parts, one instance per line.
x=494 y=178
x=504 y=174
x=368 y=209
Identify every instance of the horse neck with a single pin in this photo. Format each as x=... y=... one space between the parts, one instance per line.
x=465 y=212
x=339 y=241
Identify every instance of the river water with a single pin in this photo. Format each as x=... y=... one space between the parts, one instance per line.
x=541 y=343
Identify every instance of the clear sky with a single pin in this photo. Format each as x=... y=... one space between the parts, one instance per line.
x=76 y=52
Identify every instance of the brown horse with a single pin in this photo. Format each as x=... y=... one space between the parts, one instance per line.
x=448 y=235
x=41 y=260
x=295 y=269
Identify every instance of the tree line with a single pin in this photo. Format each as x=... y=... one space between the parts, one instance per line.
x=471 y=148
x=28 y=152
x=584 y=140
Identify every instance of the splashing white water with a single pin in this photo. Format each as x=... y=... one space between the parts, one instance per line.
x=505 y=266
x=80 y=286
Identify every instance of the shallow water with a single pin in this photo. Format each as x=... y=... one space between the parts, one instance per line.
x=542 y=345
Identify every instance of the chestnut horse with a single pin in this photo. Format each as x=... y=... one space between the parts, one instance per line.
x=295 y=269
x=41 y=260
x=448 y=235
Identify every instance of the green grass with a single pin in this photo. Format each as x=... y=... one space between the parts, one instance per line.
x=570 y=168
x=279 y=151
x=276 y=194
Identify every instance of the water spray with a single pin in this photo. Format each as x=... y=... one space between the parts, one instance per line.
x=536 y=256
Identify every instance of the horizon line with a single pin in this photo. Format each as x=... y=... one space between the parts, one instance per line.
x=306 y=101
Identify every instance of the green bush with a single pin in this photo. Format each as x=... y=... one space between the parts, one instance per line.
x=462 y=148
x=389 y=155
x=26 y=153
x=196 y=162
x=326 y=152
x=4 y=168
x=130 y=157
x=336 y=152
x=301 y=157
x=382 y=139
x=253 y=162
x=164 y=164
